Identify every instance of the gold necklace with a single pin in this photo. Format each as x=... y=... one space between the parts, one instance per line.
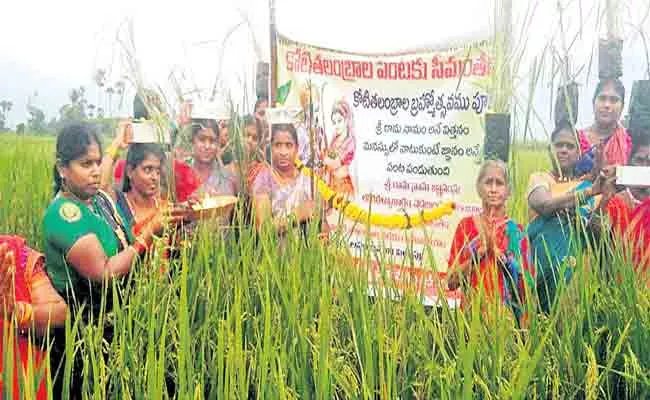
x=284 y=181
x=132 y=207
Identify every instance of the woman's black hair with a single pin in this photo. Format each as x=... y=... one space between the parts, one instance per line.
x=562 y=125
x=284 y=128
x=137 y=153
x=619 y=88
x=198 y=124
x=72 y=143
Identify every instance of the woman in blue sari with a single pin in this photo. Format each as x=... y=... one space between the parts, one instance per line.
x=560 y=205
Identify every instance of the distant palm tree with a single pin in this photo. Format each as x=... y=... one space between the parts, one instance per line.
x=91 y=110
x=74 y=95
x=109 y=92
x=119 y=87
x=100 y=80
x=5 y=106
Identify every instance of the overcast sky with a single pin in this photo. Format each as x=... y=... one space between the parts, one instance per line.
x=51 y=46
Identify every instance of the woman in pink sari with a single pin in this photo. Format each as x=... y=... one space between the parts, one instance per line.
x=607 y=129
x=340 y=152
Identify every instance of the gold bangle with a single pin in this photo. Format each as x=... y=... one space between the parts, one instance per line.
x=26 y=311
x=113 y=152
x=140 y=245
x=141 y=242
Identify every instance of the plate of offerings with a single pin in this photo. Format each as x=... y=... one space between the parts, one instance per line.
x=210 y=207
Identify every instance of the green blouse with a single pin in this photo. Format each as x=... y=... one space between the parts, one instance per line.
x=68 y=220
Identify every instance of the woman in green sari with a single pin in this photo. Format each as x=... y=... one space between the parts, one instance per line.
x=560 y=205
x=87 y=243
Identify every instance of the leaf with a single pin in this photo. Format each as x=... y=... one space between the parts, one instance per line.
x=283 y=93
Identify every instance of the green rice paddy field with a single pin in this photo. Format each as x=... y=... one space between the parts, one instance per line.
x=236 y=320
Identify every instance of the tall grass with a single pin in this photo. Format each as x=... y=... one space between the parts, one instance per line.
x=239 y=316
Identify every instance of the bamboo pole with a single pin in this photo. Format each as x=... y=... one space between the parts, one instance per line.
x=274 y=56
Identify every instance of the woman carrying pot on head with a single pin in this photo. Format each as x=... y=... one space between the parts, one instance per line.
x=489 y=251
x=252 y=146
x=259 y=110
x=185 y=180
x=28 y=299
x=139 y=198
x=214 y=177
x=251 y=165
x=555 y=198
x=281 y=194
x=607 y=130
x=87 y=243
x=227 y=155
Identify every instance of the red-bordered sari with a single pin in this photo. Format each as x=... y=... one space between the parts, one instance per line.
x=639 y=233
x=29 y=275
x=618 y=147
x=513 y=259
x=618 y=210
x=630 y=222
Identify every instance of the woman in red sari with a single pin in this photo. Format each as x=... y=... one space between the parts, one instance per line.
x=619 y=206
x=255 y=155
x=628 y=211
x=28 y=300
x=607 y=129
x=490 y=250
x=639 y=231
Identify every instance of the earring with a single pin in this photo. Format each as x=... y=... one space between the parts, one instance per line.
x=64 y=185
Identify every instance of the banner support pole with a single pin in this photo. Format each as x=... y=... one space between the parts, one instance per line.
x=273 y=81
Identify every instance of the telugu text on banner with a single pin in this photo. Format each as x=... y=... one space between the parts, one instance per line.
x=397 y=133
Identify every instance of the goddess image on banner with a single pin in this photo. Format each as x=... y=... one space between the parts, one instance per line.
x=394 y=134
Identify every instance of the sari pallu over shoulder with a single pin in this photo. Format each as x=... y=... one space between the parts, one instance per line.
x=617 y=149
x=639 y=234
x=555 y=241
x=25 y=352
x=512 y=268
